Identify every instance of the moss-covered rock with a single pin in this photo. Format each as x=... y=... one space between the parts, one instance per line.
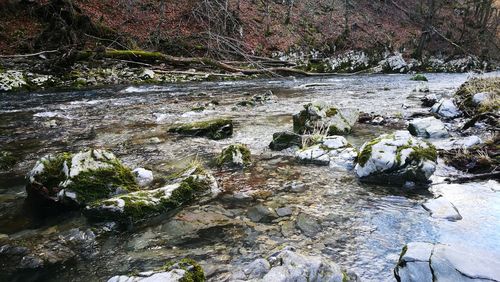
x=284 y=140
x=491 y=102
x=236 y=155
x=324 y=119
x=7 y=160
x=184 y=270
x=396 y=159
x=192 y=183
x=215 y=129
x=419 y=77
x=79 y=178
x=334 y=151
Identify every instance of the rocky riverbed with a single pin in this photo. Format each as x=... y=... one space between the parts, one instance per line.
x=326 y=207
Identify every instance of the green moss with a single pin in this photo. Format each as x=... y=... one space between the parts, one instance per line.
x=419 y=77
x=214 y=129
x=403 y=252
x=332 y=111
x=226 y=157
x=7 y=160
x=100 y=183
x=246 y=103
x=198 y=109
x=418 y=153
x=194 y=272
x=365 y=154
x=53 y=173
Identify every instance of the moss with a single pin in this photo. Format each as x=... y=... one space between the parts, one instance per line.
x=365 y=154
x=476 y=85
x=403 y=252
x=7 y=160
x=246 y=103
x=418 y=153
x=53 y=173
x=194 y=272
x=332 y=111
x=198 y=109
x=214 y=129
x=226 y=157
x=419 y=77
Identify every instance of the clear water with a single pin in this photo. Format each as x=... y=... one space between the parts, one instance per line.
x=363 y=227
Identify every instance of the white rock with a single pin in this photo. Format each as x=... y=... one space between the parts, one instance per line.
x=446 y=108
x=143 y=176
x=479 y=98
x=429 y=127
x=147 y=74
x=442 y=208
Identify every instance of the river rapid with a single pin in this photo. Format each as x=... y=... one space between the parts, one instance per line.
x=361 y=227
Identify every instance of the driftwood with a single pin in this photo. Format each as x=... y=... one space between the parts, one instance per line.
x=482 y=176
x=157 y=57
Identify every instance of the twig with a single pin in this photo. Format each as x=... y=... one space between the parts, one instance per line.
x=28 y=55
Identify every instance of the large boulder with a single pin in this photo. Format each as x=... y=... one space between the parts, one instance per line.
x=332 y=150
x=192 y=183
x=183 y=271
x=321 y=118
x=429 y=127
x=236 y=155
x=396 y=159
x=421 y=262
x=288 y=265
x=446 y=108
x=79 y=178
x=215 y=129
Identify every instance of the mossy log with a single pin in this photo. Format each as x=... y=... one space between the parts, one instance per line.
x=157 y=57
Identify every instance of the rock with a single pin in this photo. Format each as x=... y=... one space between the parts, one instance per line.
x=261 y=213
x=296 y=187
x=264 y=98
x=429 y=127
x=215 y=129
x=480 y=97
x=193 y=183
x=427 y=262
x=7 y=160
x=394 y=63
x=395 y=159
x=288 y=265
x=184 y=270
x=429 y=100
x=419 y=77
x=79 y=178
x=143 y=176
x=458 y=143
x=12 y=80
x=285 y=211
x=421 y=87
x=446 y=108
x=236 y=155
x=308 y=225
x=285 y=139
x=325 y=119
x=332 y=150
x=350 y=61
x=442 y=208
x=147 y=74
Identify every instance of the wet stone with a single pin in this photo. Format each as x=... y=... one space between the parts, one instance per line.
x=261 y=213
x=442 y=208
x=285 y=211
x=308 y=224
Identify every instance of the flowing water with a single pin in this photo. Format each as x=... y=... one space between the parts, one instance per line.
x=361 y=227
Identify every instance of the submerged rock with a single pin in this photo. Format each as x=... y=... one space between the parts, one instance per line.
x=332 y=150
x=194 y=183
x=421 y=87
x=446 y=108
x=288 y=265
x=236 y=155
x=79 y=178
x=268 y=96
x=429 y=127
x=186 y=270
x=261 y=213
x=437 y=262
x=317 y=118
x=215 y=129
x=396 y=159
x=285 y=139
x=442 y=208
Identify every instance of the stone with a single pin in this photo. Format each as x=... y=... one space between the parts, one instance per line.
x=285 y=139
x=268 y=96
x=419 y=77
x=458 y=143
x=442 y=208
x=308 y=225
x=394 y=63
x=78 y=179
x=215 y=129
x=334 y=151
x=480 y=97
x=285 y=211
x=395 y=159
x=429 y=100
x=438 y=262
x=236 y=155
x=11 y=80
x=318 y=118
x=144 y=177
x=296 y=187
x=421 y=87
x=257 y=269
x=184 y=270
x=261 y=213
x=147 y=74
x=429 y=127
x=193 y=183
x=446 y=108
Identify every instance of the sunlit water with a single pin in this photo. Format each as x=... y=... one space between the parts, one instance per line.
x=363 y=227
